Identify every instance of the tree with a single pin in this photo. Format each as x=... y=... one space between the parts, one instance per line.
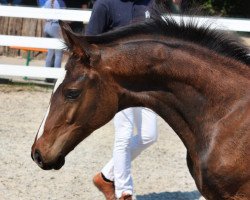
x=232 y=8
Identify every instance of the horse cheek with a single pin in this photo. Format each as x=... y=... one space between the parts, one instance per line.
x=70 y=116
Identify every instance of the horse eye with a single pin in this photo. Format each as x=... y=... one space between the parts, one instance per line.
x=72 y=94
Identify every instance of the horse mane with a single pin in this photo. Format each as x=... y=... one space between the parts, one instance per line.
x=219 y=41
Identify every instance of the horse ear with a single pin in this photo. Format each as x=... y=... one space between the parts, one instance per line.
x=78 y=44
x=72 y=40
x=66 y=33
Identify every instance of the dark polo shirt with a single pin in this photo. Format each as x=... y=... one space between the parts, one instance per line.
x=109 y=14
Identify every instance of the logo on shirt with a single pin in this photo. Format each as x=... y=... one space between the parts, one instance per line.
x=147 y=14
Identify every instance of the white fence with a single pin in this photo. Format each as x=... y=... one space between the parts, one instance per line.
x=43 y=13
x=74 y=15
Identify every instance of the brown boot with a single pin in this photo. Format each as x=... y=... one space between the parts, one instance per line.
x=126 y=197
x=107 y=188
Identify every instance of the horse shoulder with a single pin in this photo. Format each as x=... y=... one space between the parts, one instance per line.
x=225 y=166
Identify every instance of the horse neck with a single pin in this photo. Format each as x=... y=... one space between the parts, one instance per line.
x=188 y=86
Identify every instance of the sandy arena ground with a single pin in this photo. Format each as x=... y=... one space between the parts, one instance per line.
x=160 y=173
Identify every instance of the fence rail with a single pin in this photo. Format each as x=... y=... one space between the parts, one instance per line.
x=33 y=42
x=31 y=71
x=230 y=24
x=45 y=13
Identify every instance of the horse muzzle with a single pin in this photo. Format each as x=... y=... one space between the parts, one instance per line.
x=56 y=164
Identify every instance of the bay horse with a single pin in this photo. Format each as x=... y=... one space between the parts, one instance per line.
x=195 y=78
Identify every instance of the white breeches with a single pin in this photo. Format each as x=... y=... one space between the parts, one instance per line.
x=128 y=145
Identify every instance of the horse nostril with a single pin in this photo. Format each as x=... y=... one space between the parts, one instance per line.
x=38 y=157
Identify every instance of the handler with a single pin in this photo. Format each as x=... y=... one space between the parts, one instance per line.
x=115 y=178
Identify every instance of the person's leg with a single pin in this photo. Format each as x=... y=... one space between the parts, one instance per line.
x=123 y=122
x=49 y=62
x=58 y=58
x=124 y=127
x=55 y=33
x=54 y=57
x=146 y=124
x=108 y=170
x=49 y=58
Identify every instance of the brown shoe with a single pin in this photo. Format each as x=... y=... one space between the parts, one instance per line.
x=126 y=197
x=107 y=188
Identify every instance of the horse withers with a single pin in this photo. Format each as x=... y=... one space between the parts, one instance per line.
x=196 y=79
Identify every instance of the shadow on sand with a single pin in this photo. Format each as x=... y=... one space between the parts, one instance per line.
x=193 y=195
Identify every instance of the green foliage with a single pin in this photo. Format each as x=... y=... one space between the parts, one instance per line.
x=232 y=8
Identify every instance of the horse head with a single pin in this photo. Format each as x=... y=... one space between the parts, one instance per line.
x=80 y=104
